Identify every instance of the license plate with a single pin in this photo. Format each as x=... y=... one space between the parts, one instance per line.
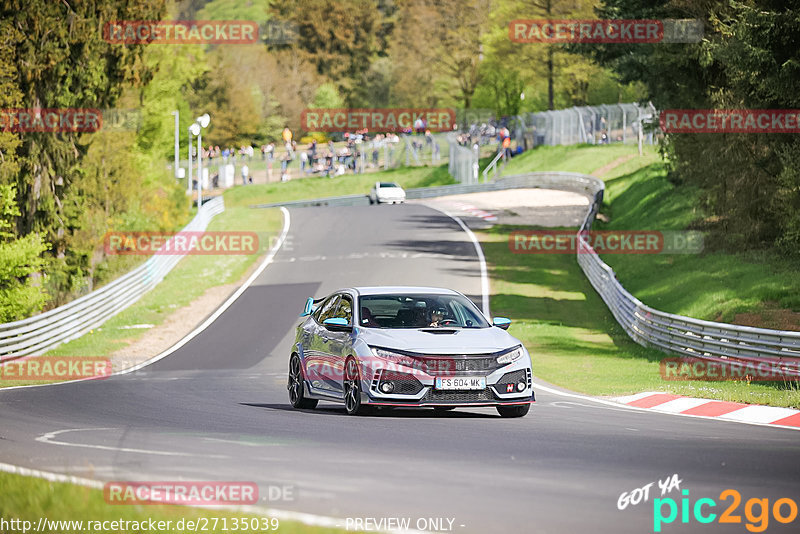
x=461 y=382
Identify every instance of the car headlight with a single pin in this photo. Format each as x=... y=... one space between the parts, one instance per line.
x=510 y=356
x=396 y=357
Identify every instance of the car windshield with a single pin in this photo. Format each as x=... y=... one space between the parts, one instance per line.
x=388 y=184
x=419 y=311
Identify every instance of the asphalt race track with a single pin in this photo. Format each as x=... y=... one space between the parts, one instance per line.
x=217 y=409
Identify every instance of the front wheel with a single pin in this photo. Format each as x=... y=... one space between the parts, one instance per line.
x=513 y=411
x=296 y=385
x=352 y=389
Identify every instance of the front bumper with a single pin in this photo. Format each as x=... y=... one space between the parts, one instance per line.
x=418 y=389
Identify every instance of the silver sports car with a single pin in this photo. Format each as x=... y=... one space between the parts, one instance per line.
x=406 y=346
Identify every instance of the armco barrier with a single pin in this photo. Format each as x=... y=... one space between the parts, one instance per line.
x=42 y=332
x=645 y=325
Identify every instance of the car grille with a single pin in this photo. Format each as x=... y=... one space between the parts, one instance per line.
x=404 y=383
x=461 y=364
x=480 y=395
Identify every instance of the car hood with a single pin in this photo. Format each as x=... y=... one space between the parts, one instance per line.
x=460 y=341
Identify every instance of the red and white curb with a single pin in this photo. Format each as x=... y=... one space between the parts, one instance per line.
x=728 y=411
x=474 y=211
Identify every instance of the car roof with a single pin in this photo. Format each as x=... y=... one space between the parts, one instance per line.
x=410 y=290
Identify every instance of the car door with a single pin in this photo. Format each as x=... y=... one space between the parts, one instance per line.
x=340 y=343
x=319 y=363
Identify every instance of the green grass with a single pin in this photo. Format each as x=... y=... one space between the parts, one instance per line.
x=348 y=184
x=713 y=285
x=192 y=277
x=574 y=340
x=581 y=158
x=30 y=499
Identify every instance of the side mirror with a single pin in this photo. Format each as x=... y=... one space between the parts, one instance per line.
x=501 y=322
x=309 y=308
x=337 y=324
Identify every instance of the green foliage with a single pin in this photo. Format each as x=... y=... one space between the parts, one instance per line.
x=749 y=58
x=20 y=259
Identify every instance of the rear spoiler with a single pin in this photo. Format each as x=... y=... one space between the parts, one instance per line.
x=310 y=306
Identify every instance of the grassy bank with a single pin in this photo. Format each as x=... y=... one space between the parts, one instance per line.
x=756 y=288
x=575 y=341
x=573 y=338
x=30 y=499
x=348 y=184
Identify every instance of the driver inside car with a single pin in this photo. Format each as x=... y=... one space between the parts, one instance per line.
x=437 y=317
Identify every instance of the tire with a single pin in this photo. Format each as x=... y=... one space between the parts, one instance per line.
x=352 y=389
x=514 y=411
x=296 y=386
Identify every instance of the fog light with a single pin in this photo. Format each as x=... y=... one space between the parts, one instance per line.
x=387 y=387
x=521 y=386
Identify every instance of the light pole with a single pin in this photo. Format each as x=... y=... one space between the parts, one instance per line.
x=189 y=181
x=177 y=141
x=197 y=129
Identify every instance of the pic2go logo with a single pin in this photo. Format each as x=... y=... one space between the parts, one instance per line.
x=756 y=511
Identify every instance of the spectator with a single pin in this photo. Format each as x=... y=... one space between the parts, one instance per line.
x=287 y=157
x=245 y=173
x=287 y=138
x=304 y=162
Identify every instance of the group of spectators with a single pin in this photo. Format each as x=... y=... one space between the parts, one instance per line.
x=361 y=150
x=485 y=133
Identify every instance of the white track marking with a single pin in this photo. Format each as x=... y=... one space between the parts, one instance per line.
x=225 y=305
x=481 y=260
x=616 y=405
x=205 y=324
x=538 y=386
x=762 y=414
x=48 y=438
x=679 y=405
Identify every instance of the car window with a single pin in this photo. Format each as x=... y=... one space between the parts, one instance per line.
x=345 y=309
x=420 y=311
x=327 y=309
x=388 y=184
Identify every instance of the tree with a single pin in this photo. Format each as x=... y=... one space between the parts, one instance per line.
x=340 y=38
x=20 y=259
x=749 y=58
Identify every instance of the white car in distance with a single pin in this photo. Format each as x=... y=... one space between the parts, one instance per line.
x=386 y=193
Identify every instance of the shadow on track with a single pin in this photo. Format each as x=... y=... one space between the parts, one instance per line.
x=405 y=413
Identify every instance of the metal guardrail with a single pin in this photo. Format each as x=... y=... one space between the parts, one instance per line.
x=42 y=332
x=672 y=333
x=647 y=326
